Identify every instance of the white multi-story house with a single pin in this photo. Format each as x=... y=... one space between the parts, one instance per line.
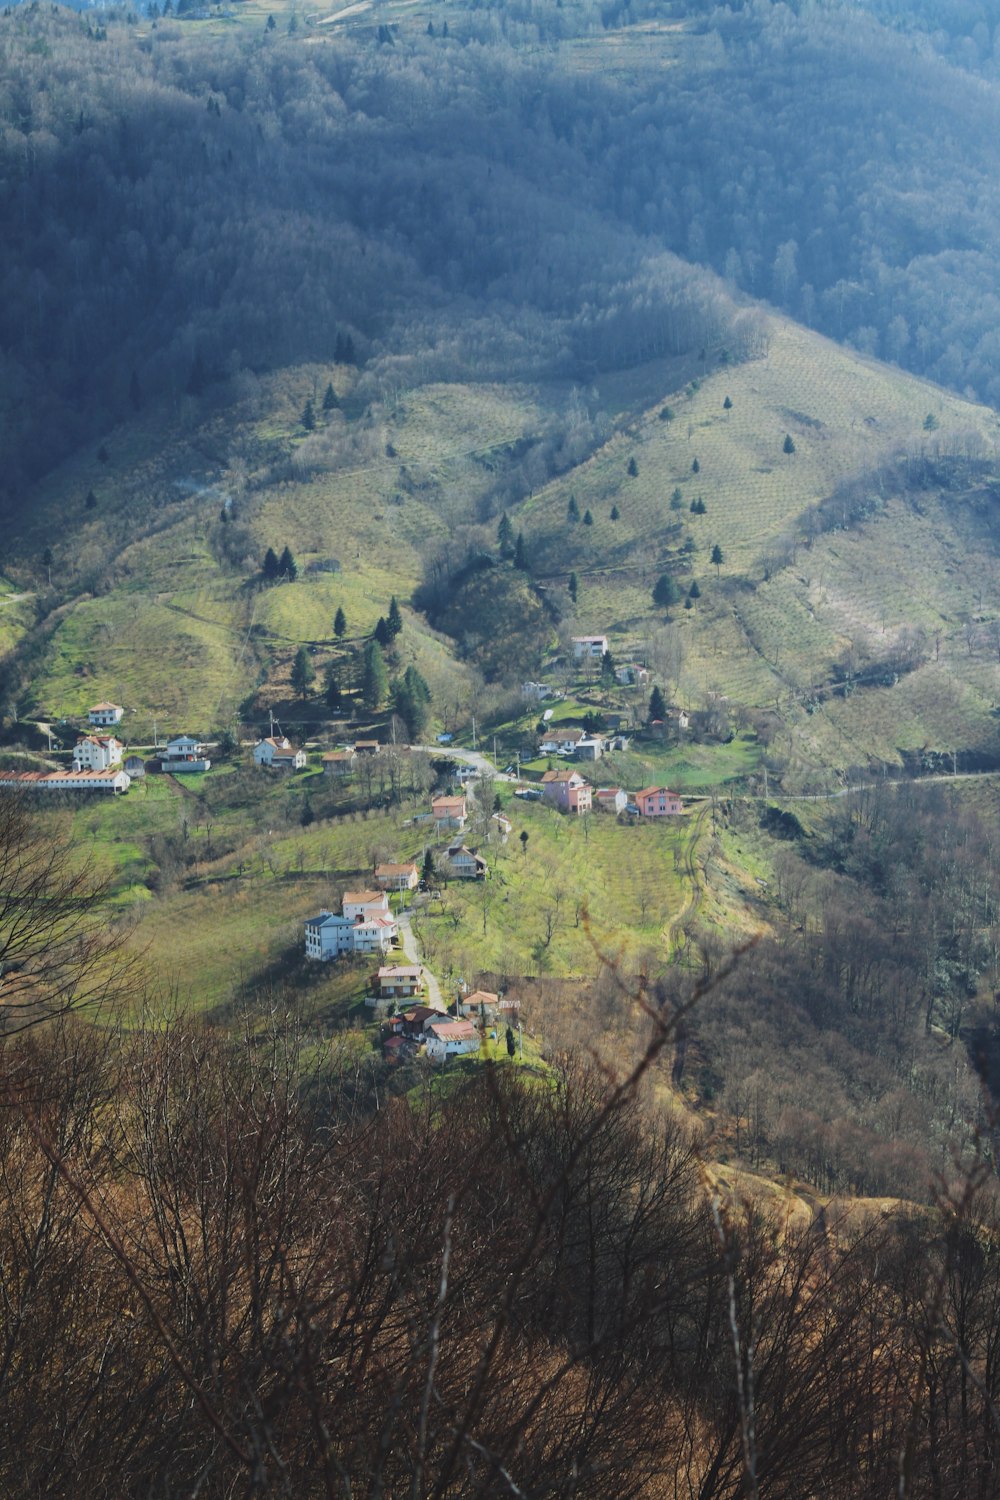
x=184 y=754
x=278 y=751
x=97 y=752
x=589 y=646
x=105 y=715
x=365 y=904
x=329 y=935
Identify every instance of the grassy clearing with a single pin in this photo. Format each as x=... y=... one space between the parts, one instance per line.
x=626 y=878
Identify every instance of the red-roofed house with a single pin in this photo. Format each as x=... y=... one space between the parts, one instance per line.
x=611 y=799
x=484 y=1004
x=450 y=1038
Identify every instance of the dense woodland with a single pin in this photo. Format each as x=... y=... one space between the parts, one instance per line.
x=181 y=209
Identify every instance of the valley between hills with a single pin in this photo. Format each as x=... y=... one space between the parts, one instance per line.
x=543 y=462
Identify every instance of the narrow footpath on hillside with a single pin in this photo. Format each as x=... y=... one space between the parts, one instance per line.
x=408 y=940
x=677 y=926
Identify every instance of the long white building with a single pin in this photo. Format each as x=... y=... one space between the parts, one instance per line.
x=113 y=780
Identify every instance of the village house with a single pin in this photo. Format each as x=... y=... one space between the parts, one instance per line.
x=567 y=791
x=105 y=715
x=397 y=877
x=484 y=1005
x=586 y=647
x=450 y=1039
x=97 y=752
x=364 y=904
x=367 y=747
x=466 y=864
x=657 y=802
x=611 y=799
x=536 y=692
x=412 y=1023
x=397 y=982
x=113 y=780
x=591 y=748
x=448 y=812
x=278 y=751
x=339 y=763
x=184 y=754
x=329 y=935
x=560 y=739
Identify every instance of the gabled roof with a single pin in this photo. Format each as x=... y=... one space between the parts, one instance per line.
x=481 y=997
x=340 y=755
x=453 y=1031
x=654 y=791
x=103 y=708
x=448 y=803
x=395 y=870
x=551 y=776
x=401 y=971
x=567 y=735
x=364 y=898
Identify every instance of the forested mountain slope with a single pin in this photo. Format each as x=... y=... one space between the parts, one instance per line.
x=183 y=203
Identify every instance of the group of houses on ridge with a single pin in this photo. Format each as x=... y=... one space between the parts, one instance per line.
x=569 y=792
x=98 y=760
x=440 y=1034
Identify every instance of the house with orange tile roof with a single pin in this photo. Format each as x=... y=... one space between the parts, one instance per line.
x=657 y=802
x=450 y=1039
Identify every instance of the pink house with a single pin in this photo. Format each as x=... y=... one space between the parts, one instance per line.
x=566 y=790
x=657 y=802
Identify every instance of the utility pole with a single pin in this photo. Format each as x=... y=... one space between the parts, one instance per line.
x=520 y=1042
x=156 y=742
x=473 y=731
